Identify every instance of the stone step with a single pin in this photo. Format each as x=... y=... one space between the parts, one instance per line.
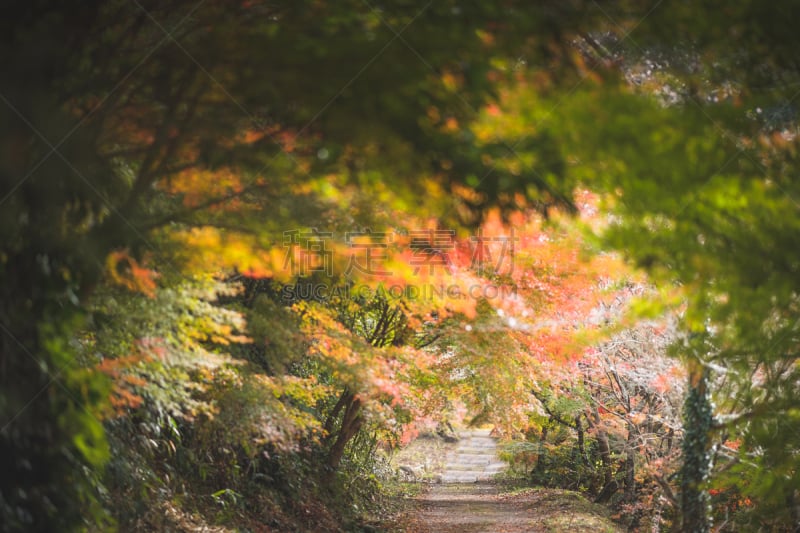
x=468 y=436
x=477 y=432
x=459 y=478
x=478 y=438
x=470 y=450
x=456 y=467
x=475 y=458
x=466 y=471
x=464 y=477
x=483 y=467
x=482 y=441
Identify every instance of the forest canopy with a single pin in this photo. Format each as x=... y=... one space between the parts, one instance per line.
x=245 y=244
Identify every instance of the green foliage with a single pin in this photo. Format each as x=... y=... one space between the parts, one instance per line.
x=71 y=447
x=179 y=139
x=274 y=329
x=126 y=126
x=555 y=461
x=364 y=471
x=693 y=144
x=168 y=348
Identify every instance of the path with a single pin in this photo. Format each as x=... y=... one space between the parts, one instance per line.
x=467 y=501
x=485 y=508
x=470 y=508
x=474 y=459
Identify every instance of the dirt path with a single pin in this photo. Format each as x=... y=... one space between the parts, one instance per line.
x=460 y=496
x=467 y=508
x=486 y=508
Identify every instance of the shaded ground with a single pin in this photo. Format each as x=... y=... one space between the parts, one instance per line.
x=486 y=507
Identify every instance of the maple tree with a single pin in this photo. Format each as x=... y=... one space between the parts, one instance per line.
x=176 y=129
x=154 y=157
x=561 y=360
x=693 y=146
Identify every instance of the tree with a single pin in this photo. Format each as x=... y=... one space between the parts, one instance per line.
x=187 y=132
x=150 y=127
x=693 y=175
x=694 y=146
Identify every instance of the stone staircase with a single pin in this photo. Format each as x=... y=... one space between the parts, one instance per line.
x=474 y=459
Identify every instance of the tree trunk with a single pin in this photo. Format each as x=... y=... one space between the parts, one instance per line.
x=794 y=508
x=604 y=449
x=50 y=442
x=581 y=441
x=610 y=486
x=344 y=399
x=541 y=462
x=350 y=426
x=630 y=466
x=697 y=423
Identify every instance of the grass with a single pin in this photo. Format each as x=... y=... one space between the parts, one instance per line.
x=563 y=510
